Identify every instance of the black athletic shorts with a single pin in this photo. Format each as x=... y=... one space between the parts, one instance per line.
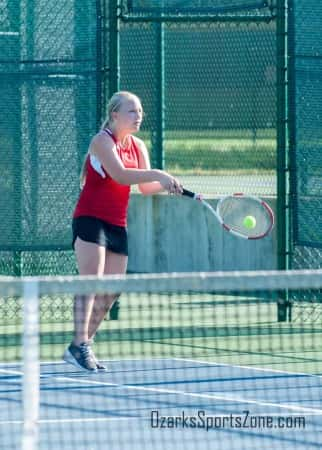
x=91 y=229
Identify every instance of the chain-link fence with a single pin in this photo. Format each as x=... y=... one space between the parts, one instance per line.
x=305 y=143
x=50 y=73
x=208 y=86
x=305 y=50
x=207 y=79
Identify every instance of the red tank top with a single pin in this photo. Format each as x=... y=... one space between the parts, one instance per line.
x=103 y=197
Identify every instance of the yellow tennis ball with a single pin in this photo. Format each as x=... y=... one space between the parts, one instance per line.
x=249 y=222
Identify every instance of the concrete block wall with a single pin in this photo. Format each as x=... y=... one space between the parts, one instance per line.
x=175 y=234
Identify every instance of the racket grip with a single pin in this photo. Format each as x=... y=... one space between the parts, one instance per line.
x=188 y=193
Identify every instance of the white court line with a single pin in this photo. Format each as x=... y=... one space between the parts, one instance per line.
x=259 y=369
x=198 y=361
x=126 y=418
x=88 y=420
x=60 y=361
x=234 y=399
x=11 y=372
x=226 y=398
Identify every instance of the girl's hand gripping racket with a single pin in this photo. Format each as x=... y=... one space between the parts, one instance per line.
x=244 y=216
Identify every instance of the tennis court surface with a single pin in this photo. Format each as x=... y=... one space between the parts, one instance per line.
x=194 y=360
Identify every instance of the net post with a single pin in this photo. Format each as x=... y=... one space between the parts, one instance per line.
x=31 y=367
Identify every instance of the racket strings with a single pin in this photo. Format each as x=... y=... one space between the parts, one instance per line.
x=233 y=211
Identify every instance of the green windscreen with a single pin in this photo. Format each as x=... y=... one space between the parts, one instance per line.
x=208 y=89
x=306 y=114
x=48 y=82
x=219 y=100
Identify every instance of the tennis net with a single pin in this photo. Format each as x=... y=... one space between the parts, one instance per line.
x=195 y=360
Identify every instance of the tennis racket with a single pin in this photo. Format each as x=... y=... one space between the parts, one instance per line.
x=233 y=212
